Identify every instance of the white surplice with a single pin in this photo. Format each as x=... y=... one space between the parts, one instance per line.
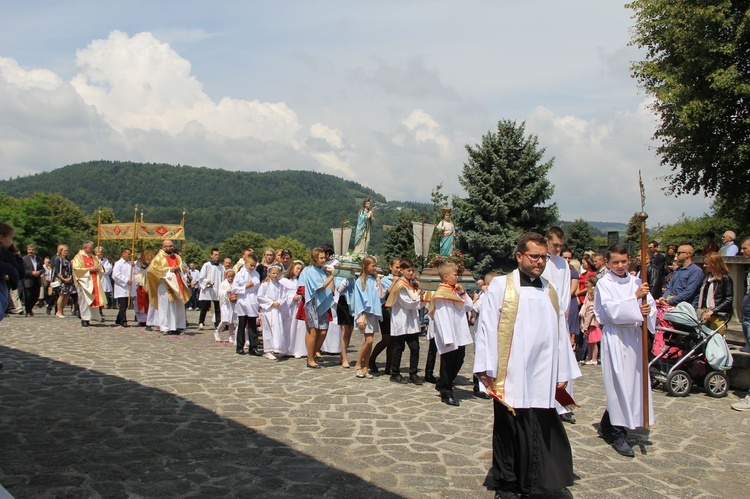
x=449 y=325
x=557 y=272
x=405 y=313
x=122 y=272
x=106 y=275
x=619 y=314
x=228 y=315
x=213 y=273
x=538 y=354
x=247 y=298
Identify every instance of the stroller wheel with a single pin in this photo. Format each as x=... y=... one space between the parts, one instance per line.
x=716 y=384
x=679 y=383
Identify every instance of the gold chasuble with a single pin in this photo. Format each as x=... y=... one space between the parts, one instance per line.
x=87 y=282
x=158 y=271
x=505 y=329
x=448 y=293
x=395 y=289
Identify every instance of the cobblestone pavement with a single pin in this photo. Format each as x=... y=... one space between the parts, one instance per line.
x=112 y=412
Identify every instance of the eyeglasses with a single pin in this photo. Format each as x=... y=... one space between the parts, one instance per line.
x=533 y=258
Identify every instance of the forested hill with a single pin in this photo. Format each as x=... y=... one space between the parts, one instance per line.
x=299 y=204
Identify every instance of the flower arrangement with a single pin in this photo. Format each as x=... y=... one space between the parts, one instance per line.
x=349 y=258
x=461 y=261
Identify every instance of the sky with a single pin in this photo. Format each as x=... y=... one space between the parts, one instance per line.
x=384 y=93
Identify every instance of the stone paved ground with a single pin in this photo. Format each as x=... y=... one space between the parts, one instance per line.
x=111 y=412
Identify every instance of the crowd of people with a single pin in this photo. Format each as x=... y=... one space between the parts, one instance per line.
x=533 y=329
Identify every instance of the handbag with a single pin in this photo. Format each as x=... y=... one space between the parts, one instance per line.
x=56 y=283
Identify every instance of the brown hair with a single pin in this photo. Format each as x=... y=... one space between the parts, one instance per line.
x=719 y=266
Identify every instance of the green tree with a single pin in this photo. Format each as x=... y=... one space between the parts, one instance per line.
x=34 y=223
x=507 y=186
x=633 y=232
x=693 y=230
x=298 y=249
x=400 y=242
x=233 y=246
x=697 y=67
x=193 y=252
x=579 y=237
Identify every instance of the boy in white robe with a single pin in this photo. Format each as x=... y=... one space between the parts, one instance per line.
x=450 y=328
x=226 y=304
x=557 y=272
x=404 y=302
x=521 y=348
x=245 y=286
x=618 y=308
x=271 y=295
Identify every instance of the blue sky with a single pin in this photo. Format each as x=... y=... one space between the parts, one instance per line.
x=385 y=93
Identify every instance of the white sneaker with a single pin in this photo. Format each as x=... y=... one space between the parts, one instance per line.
x=591 y=362
x=742 y=405
x=232 y=340
x=217 y=337
x=200 y=326
x=269 y=356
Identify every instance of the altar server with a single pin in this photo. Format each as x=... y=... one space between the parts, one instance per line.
x=618 y=308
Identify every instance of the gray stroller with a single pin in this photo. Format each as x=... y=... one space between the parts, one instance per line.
x=690 y=352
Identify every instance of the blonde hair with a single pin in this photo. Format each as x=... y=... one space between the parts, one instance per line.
x=720 y=267
x=445 y=268
x=270 y=268
x=366 y=261
x=60 y=249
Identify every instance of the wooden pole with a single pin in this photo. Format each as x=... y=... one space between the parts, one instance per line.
x=99 y=228
x=132 y=251
x=646 y=386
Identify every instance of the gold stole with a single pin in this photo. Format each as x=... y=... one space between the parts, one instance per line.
x=396 y=288
x=505 y=331
x=448 y=293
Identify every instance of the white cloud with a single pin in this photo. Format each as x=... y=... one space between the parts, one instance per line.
x=596 y=166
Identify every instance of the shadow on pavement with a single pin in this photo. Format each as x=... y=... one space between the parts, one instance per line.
x=67 y=431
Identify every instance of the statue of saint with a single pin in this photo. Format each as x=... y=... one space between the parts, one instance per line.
x=362 y=234
x=447 y=232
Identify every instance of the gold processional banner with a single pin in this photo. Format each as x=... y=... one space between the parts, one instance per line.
x=144 y=231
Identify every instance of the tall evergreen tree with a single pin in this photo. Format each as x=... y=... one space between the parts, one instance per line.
x=400 y=242
x=579 y=237
x=507 y=186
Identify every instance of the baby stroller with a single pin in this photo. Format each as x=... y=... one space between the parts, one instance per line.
x=691 y=352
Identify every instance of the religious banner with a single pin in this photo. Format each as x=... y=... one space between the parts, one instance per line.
x=341 y=238
x=422 y=237
x=115 y=231
x=161 y=231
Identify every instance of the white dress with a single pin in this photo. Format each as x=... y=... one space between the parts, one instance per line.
x=619 y=314
x=294 y=329
x=271 y=292
x=449 y=326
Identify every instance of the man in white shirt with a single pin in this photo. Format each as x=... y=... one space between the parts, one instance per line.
x=124 y=289
x=728 y=247
x=211 y=275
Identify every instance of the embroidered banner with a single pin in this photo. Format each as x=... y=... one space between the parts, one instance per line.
x=145 y=231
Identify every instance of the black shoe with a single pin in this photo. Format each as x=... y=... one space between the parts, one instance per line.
x=568 y=418
x=623 y=448
x=606 y=435
x=149 y=328
x=49 y=311
x=413 y=378
x=241 y=352
x=482 y=395
x=316 y=366
x=173 y=333
x=430 y=378
x=255 y=352
x=373 y=369
x=124 y=324
x=506 y=494
x=449 y=401
x=143 y=324
x=85 y=323
x=399 y=379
